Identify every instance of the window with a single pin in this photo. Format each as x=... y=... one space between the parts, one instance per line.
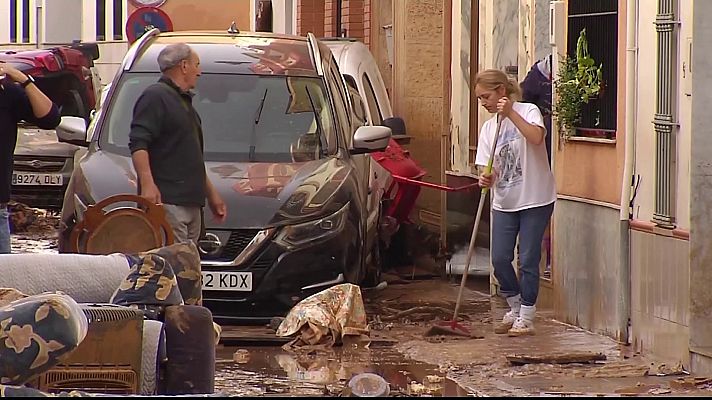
x=350 y=81
x=26 y=21
x=376 y=116
x=13 y=21
x=336 y=74
x=359 y=110
x=118 y=20
x=600 y=19
x=288 y=129
x=100 y=20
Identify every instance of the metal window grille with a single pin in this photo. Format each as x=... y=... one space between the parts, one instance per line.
x=600 y=19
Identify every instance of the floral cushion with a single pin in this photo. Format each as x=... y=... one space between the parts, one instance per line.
x=184 y=259
x=35 y=332
x=150 y=282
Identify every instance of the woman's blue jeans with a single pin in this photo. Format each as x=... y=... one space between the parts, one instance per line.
x=529 y=225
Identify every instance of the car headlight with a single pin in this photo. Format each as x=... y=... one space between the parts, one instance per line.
x=292 y=236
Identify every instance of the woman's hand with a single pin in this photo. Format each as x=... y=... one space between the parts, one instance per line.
x=487 y=180
x=504 y=107
x=14 y=74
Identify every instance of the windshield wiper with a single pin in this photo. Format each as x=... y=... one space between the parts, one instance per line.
x=318 y=121
x=253 y=136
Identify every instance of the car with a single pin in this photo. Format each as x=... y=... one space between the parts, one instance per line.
x=361 y=72
x=282 y=147
x=42 y=165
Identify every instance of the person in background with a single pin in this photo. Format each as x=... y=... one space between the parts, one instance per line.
x=523 y=192
x=536 y=89
x=20 y=100
x=166 y=143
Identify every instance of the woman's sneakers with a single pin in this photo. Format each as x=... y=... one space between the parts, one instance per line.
x=524 y=324
x=515 y=303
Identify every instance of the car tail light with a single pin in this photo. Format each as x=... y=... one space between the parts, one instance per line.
x=50 y=62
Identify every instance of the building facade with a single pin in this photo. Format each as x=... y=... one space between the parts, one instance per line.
x=42 y=23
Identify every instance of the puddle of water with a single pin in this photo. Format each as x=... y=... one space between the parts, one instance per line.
x=271 y=371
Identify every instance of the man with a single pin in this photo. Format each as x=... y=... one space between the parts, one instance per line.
x=166 y=142
x=20 y=100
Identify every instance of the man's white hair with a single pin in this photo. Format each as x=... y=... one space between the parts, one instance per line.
x=172 y=55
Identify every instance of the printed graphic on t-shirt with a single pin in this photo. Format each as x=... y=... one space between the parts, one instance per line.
x=508 y=160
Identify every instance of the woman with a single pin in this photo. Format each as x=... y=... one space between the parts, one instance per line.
x=524 y=194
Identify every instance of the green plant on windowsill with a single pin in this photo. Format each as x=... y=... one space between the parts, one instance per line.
x=579 y=80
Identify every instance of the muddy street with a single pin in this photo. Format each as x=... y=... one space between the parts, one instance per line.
x=560 y=360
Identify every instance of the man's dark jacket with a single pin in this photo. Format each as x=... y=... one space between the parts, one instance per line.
x=16 y=107
x=167 y=126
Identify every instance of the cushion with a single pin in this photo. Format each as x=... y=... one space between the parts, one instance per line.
x=35 y=332
x=184 y=259
x=150 y=282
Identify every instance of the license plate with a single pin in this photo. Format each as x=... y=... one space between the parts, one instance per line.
x=32 y=179
x=231 y=281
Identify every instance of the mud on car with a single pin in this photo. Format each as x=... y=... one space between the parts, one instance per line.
x=282 y=147
x=42 y=165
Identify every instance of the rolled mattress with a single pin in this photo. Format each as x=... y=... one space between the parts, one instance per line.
x=85 y=278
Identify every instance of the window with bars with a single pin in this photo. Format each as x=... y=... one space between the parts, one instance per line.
x=13 y=21
x=109 y=17
x=19 y=18
x=118 y=19
x=25 y=21
x=100 y=20
x=600 y=19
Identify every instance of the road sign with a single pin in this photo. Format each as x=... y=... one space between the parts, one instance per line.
x=144 y=19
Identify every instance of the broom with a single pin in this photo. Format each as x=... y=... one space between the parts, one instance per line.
x=453 y=327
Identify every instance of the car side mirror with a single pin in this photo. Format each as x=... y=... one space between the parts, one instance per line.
x=368 y=139
x=72 y=130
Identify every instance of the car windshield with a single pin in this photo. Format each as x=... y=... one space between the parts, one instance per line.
x=245 y=118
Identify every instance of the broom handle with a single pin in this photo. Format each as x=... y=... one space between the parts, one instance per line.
x=480 y=207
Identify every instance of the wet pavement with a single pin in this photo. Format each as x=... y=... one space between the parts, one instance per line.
x=416 y=365
x=271 y=371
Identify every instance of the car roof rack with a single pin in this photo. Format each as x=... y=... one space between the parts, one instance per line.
x=137 y=47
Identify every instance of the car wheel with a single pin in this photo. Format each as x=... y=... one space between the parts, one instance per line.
x=374 y=267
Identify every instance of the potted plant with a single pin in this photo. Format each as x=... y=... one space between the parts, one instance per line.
x=579 y=81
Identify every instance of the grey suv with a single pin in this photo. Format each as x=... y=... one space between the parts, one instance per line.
x=282 y=147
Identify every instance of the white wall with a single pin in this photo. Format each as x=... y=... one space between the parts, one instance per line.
x=62 y=21
x=645 y=132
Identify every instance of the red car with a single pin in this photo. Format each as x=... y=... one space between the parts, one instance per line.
x=42 y=165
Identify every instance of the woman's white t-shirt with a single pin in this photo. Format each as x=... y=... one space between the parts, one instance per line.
x=523 y=177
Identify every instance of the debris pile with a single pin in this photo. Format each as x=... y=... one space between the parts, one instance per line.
x=25 y=219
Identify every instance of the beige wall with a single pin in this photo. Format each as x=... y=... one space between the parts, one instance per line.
x=645 y=133
x=418 y=89
x=206 y=15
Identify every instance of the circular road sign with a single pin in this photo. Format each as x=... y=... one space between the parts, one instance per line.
x=144 y=19
x=147 y=3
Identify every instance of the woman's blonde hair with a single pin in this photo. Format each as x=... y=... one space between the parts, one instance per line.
x=492 y=79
